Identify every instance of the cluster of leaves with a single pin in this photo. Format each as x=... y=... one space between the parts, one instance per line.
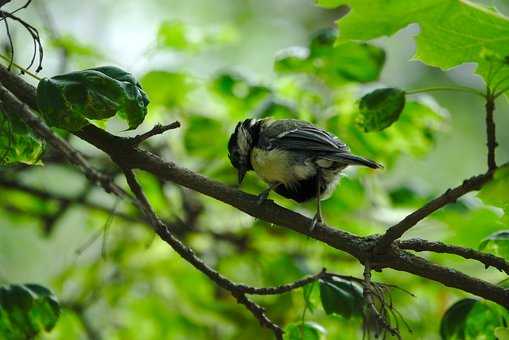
x=322 y=83
x=26 y=310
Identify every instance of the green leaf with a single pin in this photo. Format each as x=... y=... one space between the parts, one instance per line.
x=68 y=101
x=341 y=296
x=496 y=192
x=497 y=244
x=350 y=61
x=17 y=142
x=454 y=320
x=304 y=331
x=461 y=38
x=472 y=319
x=26 y=310
x=380 y=108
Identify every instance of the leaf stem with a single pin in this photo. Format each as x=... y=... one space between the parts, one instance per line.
x=447 y=88
x=22 y=69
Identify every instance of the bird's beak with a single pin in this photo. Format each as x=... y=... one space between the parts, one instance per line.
x=241 y=174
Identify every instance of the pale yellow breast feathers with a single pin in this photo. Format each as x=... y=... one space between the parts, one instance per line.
x=274 y=166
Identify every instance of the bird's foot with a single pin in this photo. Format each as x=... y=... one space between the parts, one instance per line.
x=316 y=219
x=263 y=196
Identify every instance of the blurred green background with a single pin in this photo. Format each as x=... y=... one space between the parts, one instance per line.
x=209 y=64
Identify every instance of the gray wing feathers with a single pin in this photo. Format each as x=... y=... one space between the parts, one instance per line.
x=309 y=138
x=304 y=137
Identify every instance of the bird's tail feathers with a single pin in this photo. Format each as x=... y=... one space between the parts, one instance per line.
x=351 y=159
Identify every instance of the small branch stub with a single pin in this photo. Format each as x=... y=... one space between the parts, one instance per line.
x=156 y=130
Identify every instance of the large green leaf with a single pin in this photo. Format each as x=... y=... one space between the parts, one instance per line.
x=68 y=101
x=351 y=61
x=17 y=142
x=380 y=108
x=341 y=296
x=452 y=32
x=26 y=310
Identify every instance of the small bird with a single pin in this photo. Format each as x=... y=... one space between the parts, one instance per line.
x=298 y=160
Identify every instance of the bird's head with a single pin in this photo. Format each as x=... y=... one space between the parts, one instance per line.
x=240 y=145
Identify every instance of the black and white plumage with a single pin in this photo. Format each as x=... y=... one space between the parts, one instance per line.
x=298 y=160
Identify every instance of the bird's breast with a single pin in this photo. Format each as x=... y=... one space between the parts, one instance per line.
x=280 y=166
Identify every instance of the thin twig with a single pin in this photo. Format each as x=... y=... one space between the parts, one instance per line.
x=156 y=130
x=22 y=111
x=449 y=196
x=162 y=230
x=283 y=288
x=371 y=291
x=488 y=260
x=446 y=88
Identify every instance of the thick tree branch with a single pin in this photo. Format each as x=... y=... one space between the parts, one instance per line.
x=450 y=196
x=488 y=260
x=360 y=247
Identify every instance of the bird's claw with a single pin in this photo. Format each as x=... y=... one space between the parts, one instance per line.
x=263 y=197
x=316 y=219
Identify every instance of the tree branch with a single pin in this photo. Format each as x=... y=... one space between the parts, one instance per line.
x=491 y=141
x=283 y=288
x=488 y=260
x=18 y=108
x=187 y=254
x=450 y=196
x=361 y=248
x=156 y=130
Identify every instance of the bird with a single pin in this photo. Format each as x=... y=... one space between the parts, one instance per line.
x=295 y=158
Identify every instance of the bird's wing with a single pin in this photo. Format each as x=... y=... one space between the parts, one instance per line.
x=308 y=138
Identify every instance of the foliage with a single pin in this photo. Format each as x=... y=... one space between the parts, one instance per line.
x=441 y=43
x=342 y=297
x=26 y=310
x=380 y=108
x=473 y=319
x=129 y=285
x=68 y=101
x=17 y=142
